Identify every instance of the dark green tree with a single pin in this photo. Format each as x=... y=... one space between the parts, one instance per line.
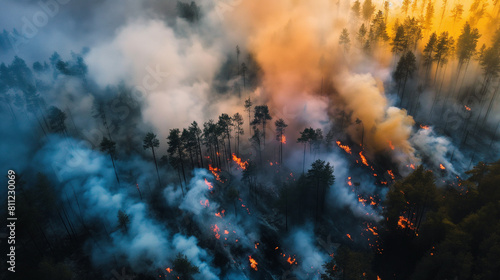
x=261 y=116
x=321 y=176
x=176 y=151
x=109 y=147
x=183 y=268
x=151 y=142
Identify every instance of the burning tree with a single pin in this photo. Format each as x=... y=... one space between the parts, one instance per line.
x=280 y=136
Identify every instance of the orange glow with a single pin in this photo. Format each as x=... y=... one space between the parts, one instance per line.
x=283 y=139
x=290 y=260
x=372 y=230
x=442 y=167
x=226 y=231
x=215 y=171
x=216 y=230
x=346 y=148
x=391 y=174
x=257 y=244
x=348 y=235
x=390 y=145
x=424 y=127
x=378 y=278
x=405 y=223
x=206 y=203
x=168 y=269
x=363 y=159
x=253 y=263
x=242 y=164
x=210 y=186
x=412 y=166
x=467 y=108
x=349 y=181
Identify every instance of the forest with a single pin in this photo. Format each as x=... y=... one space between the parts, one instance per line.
x=248 y=139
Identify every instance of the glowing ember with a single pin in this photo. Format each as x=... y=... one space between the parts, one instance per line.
x=412 y=166
x=442 y=167
x=346 y=148
x=216 y=229
x=290 y=260
x=242 y=164
x=210 y=186
x=424 y=127
x=253 y=263
x=215 y=171
x=226 y=231
x=373 y=230
x=257 y=244
x=283 y=139
x=349 y=181
x=467 y=108
x=378 y=278
x=270 y=163
x=390 y=145
x=391 y=174
x=168 y=269
x=349 y=236
x=363 y=159
x=405 y=223
x=206 y=203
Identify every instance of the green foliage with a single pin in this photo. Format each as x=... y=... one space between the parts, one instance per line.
x=189 y=12
x=123 y=221
x=183 y=268
x=150 y=141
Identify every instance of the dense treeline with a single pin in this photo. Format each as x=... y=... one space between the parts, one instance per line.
x=432 y=233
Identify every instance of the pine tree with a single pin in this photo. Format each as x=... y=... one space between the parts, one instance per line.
x=344 y=40
x=151 y=142
x=109 y=147
x=280 y=136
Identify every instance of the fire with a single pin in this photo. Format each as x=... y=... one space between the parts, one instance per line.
x=290 y=260
x=226 y=231
x=283 y=139
x=349 y=181
x=216 y=229
x=220 y=214
x=206 y=203
x=257 y=244
x=467 y=108
x=346 y=148
x=442 y=167
x=168 y=269
x=349 y=236
x=424 y=127
x=363 y=159
x=405 y=223
x=378 y=278
x=210 y=186
x=391 y=174
x=390 y=145
x=412 y=166
x=242 y=164
x=215 y=171
x=373 y=230
x=253 y=263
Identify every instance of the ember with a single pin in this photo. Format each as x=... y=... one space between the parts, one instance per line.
x=346 y=148
x=242 y=164
x=253 y=263
x=363 y=159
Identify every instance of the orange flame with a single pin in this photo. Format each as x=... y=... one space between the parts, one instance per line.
x=346 y=148
x=168 y=269
x=348 y=235
x=216 y=229
x=442 y=167
x=424 y=127
x=467 y=108
x=405 y=223
x=242 y=164
x=253 y=263
x=349 y=181
x=283 y=139
x=215 y=171
x=390 y=145
x=210 y=186
x=373 y=230
x=363 y=159
x=391 y=174
x=206 y=203
x=290 y=260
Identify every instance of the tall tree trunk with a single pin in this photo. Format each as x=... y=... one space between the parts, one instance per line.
x=156 y=165
x=114 y=167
